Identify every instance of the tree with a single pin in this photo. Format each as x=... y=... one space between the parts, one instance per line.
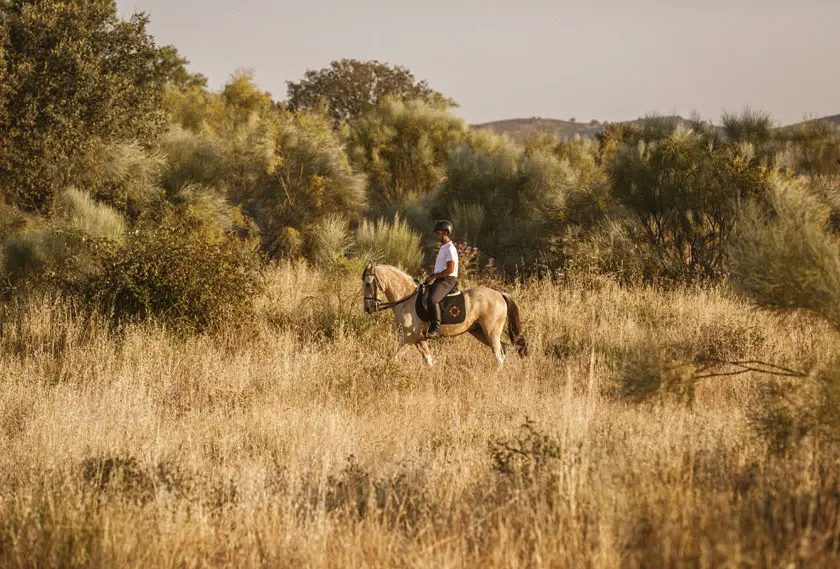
x=77 y=77
x=350 y=87
x=173 y=70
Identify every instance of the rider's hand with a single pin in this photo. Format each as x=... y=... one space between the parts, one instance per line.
x=430 y=279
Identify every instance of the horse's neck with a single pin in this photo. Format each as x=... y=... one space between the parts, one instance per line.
x=396 y=284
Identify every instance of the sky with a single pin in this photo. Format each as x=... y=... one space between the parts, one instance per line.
x=589 y=59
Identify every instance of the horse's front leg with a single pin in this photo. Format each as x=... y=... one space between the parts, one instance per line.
x=399 y=350
x=426 y=352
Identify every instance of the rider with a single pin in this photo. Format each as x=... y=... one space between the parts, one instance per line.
x=443 y=280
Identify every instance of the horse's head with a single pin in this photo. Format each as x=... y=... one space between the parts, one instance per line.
x=370 y=288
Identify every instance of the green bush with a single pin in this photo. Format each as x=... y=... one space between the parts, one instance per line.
x=683 y=191
x=509 y=201
x=782 y=256
x=403 y=147
x=174 y=274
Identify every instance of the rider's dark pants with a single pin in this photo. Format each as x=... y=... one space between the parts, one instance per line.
x=440 y=288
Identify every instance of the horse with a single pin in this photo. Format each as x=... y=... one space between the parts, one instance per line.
x=487 y=312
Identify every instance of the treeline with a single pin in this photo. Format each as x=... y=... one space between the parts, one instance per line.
x=127 y=182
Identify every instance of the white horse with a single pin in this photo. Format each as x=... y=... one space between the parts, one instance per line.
x=487 y=312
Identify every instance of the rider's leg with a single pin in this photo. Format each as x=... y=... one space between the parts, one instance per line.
x=440 y=289
x=434 y=325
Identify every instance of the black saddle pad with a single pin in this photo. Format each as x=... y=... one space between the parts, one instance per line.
x=452 y=308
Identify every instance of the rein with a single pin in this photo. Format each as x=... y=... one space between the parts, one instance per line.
x=379 y=306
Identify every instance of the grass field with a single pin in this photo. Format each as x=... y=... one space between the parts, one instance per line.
x=296 y=441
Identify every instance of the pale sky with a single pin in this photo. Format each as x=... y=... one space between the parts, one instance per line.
x=598 y=59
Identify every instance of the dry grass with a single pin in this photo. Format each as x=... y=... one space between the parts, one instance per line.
x=297 y=442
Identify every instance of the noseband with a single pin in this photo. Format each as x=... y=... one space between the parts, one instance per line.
x=370 y=271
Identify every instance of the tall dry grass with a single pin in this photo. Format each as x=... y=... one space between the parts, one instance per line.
x=298 y=442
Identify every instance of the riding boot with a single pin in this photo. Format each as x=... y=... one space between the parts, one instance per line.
x=434 y=327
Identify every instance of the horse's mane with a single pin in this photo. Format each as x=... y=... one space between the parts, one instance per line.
x=400 y=275
x=397 y=270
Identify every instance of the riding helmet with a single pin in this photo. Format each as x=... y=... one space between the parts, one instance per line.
x=444 y=225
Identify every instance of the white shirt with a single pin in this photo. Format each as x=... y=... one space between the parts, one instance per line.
x=447 y=253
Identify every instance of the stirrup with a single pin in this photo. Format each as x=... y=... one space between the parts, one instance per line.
x=433 y=333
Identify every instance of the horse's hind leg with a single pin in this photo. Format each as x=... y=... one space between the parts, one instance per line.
x=498 y=350
x=478 y=333
x=493 y=338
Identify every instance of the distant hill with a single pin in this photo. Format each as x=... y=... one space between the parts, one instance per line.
x=832 y=119
x=521 y=129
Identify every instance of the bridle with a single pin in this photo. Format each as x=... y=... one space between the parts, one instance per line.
x=378 y=305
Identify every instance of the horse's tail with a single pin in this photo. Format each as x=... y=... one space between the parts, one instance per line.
x=515 y=326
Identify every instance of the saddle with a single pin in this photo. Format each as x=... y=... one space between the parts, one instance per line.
x=452 y=307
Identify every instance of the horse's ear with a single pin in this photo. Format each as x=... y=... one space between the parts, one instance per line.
x=371 y=267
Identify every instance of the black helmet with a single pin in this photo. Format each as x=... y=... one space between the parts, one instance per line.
x=444 y=225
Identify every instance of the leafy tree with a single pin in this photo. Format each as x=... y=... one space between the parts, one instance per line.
x=403 y=147
x=221 y=113
x=173 y=70
x=76 y=77
x=350 y=87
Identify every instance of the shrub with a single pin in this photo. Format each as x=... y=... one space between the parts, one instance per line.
x=402 y=147
x=81 y=212
x=684 y=191
x=310 y=178
x=791 y=411
x=646 y=372
x=390 y=242
x=510 y=200
x=130 y=177
x=752 y=127
x=331 y=241
x=169 y=272
x=58 y=251
x=783 y=258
